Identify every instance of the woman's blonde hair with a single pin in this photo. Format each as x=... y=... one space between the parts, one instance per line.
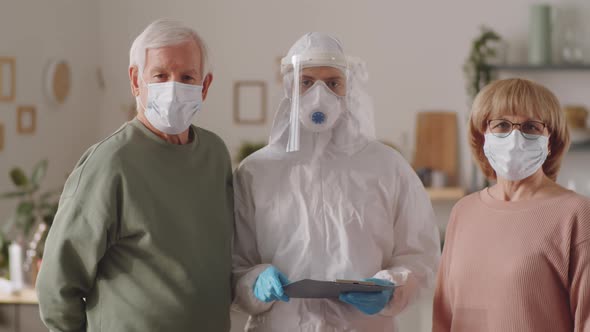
x=522 y=98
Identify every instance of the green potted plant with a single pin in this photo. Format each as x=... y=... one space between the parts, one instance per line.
x=477 y=69
x=34 y=213
x=479 y=73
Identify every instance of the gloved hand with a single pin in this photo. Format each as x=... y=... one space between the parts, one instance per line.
x=269 y=285
x=370 y=303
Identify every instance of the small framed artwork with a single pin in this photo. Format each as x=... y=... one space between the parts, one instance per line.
x=26 y=119
x=250 y=102
x=7 y=79
x=1 y=136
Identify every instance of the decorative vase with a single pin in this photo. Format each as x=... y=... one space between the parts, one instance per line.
x=540 y=35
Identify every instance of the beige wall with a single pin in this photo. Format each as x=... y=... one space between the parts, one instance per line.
x=414 y=49
x=33 y=32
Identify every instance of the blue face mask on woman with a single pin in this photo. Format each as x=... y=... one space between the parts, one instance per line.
x=514 y=157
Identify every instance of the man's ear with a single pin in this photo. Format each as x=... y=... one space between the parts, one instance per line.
x=134 y=80
x=206 y=84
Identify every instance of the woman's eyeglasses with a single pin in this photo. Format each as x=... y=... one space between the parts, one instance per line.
x=529 y=129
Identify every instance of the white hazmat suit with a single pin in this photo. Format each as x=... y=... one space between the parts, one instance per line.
x=341 y=206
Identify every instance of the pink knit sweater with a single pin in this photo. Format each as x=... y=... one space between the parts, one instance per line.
x=515 y=266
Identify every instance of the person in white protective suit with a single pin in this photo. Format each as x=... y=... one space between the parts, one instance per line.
x=325 y=200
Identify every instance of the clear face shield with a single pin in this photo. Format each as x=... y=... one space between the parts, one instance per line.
x=316 y=85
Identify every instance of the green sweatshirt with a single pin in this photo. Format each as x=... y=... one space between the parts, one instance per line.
x=142 y=238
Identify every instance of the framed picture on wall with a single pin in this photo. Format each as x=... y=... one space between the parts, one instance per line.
x=250 y=102
x=7 y=79
x=26 y=119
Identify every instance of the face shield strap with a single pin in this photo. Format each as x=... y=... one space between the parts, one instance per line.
x=294 y=131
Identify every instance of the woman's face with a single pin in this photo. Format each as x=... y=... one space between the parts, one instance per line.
x=516 y=155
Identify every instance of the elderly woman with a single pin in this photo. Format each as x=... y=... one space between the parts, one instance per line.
x=517 y=254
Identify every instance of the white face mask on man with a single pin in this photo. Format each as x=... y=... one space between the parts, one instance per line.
x=171 y=106
x=515 y=157
x=320 y=108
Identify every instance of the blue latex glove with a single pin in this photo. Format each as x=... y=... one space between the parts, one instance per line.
x=370 y=303
x=269 y=286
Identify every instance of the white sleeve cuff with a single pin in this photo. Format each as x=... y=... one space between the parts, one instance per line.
x=245 y=299
x=403 y=295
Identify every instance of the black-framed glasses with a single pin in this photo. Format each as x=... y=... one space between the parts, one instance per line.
x=529 y=129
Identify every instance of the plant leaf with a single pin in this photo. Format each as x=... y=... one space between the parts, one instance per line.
x=39 y=172
x=46 y=195
x=2 y=240
x=13 y=194
x=31 y=189
x=25 y=208
x=27 y=224
x=19 y=178
x=9 y=224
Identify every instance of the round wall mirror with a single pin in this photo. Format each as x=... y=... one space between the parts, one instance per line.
x=57 y=81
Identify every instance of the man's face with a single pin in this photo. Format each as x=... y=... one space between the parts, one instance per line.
x=333 y=77
x=177 y=63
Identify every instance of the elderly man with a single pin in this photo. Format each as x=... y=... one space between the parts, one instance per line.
x=325 y=200
x=142 y=238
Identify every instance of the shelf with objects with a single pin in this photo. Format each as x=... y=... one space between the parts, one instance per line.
x=436 y=157
x=582 y=146
x=573 y=173
x=538 y=68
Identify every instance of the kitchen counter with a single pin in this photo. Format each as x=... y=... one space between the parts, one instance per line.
x=26 y=296
x=20 y=312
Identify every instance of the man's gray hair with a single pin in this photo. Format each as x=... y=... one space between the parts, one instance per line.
x=166 y=32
